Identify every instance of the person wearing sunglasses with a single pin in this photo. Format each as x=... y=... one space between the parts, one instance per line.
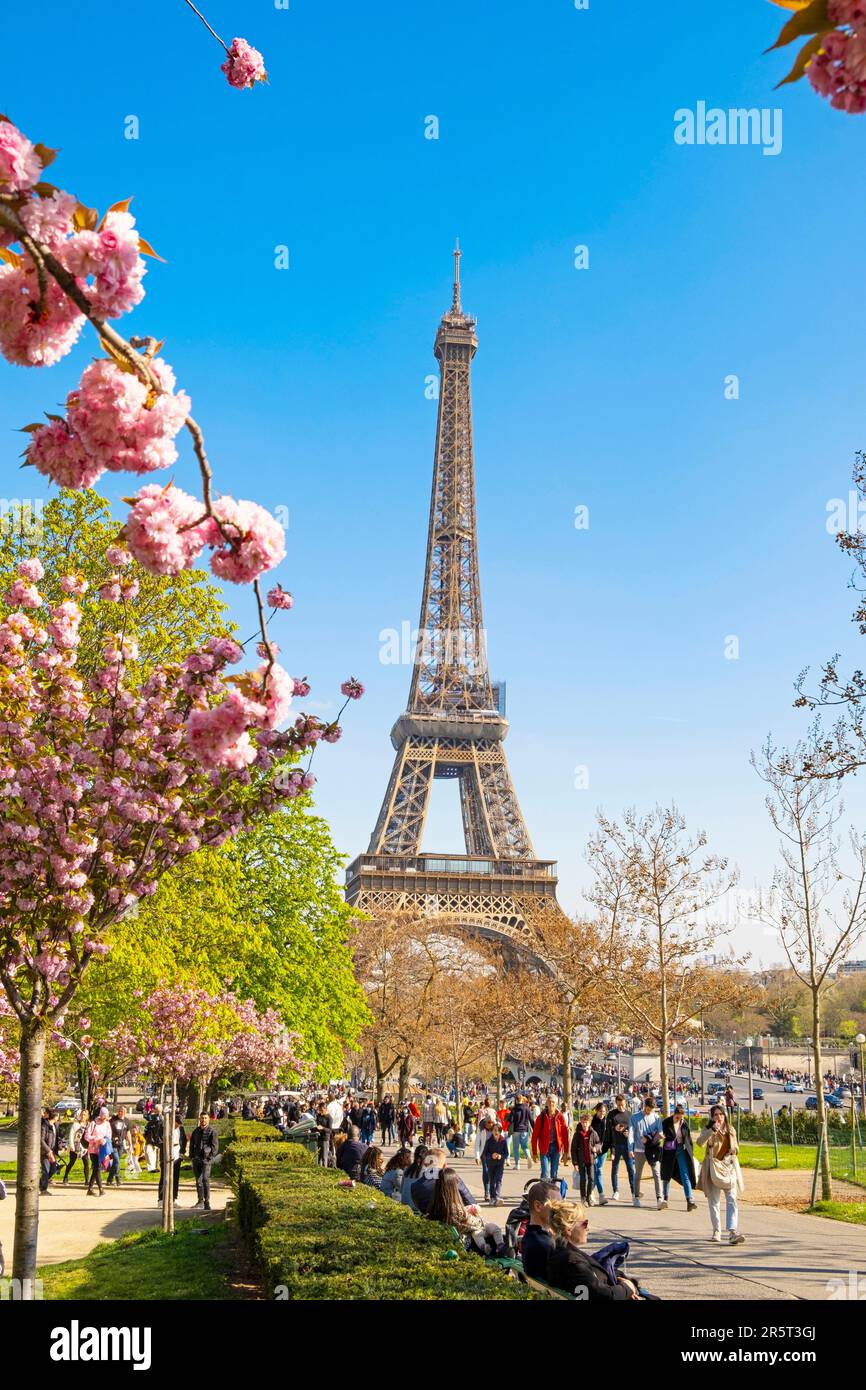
x=572 y=1268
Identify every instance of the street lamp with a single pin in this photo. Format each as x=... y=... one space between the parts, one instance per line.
x=748 y=1042
x=860 y=1040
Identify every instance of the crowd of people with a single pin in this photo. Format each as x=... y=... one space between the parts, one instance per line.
x=101 y=1142
x=428 y=1131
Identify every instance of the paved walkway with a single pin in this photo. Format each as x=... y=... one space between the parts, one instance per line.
x=786 y=1255
x=71 y=1224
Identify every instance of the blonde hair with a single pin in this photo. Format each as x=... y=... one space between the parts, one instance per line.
x=565 y=1215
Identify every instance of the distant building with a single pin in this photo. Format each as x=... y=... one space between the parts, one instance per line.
x=852 y=967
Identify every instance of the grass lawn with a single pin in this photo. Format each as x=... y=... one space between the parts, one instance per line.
x=801 y=1156
x=197 y=1262
x=841 y=1211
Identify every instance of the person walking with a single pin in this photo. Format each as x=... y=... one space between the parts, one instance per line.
x=406 y=1126
x=646 y=1141
x=97 y=1136
x=585 y=1145
x=368 y=1119
x=119 y=1132
x=428 y=1118
x=387 y=1116
x=493 y=1163
x=720 y=1174
x=521 y=1129
x=77 y=1146
x=178 y=1149
x=153 y=1138
x=134 y=1151
x=203 y=1149
x=550 y=1140
x=677 y=1157
x=49 y=1145
x=617 y=1139
x=599 y=1124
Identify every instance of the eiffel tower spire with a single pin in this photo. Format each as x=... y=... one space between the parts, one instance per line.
x=451 y=727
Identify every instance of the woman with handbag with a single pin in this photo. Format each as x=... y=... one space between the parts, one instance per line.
x=677 y=1157
x=720 y=1173
x=97 y=1137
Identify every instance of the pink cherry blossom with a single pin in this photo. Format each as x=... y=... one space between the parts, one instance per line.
x=244 y=65
x=20 y=165
x=278 y=597
x=160 y=530
x=120 y=426
x=249 y=541
x=49 y=220
x=35 y=330
x=302 y=687
x=111 y=257
x=61 y=456
x=352 y=689
x=839 y=71
x=32 y=569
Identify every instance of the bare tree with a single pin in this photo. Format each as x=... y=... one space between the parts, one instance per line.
x=655 y=891
x=817 y=907
x=398 y=963
x=505 y=1017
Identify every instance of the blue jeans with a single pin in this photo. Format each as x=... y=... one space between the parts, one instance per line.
x=114 y=1166
x=683 y=1168
x=520 y=1145
x=614 y=1171
x=599 y=1169
x=549 y=1166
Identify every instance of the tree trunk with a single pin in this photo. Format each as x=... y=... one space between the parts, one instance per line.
x=31 y=1086
x=566 y=1080
x=200 y=1092
x=826 y=1178
x=168 y=1162
x=497 y=1051
x=403 y=1079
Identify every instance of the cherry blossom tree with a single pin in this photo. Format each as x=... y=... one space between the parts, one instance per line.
x=185 y=1033
x=109 y=779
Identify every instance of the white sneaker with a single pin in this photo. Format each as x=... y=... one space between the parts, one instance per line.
x=603 y=1201
x=663 y=1204
x=716 y=1237
x=636 y=1202
x=614 y=1197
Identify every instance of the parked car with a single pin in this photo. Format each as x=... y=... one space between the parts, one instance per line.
x=794 y=1088
x=722 y=1074
x=69 y=1104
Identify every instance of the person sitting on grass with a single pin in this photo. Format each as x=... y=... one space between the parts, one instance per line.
x=448 y=1206
x=372 y=1166
x=570 y=1266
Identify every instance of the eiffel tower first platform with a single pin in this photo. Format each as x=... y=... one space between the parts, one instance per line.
x=453 y=726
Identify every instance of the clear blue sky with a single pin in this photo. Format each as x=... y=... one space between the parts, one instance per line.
x=601 y=387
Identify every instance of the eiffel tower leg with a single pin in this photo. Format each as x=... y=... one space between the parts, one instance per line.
x=477 y=830
x=401 y=820
x=508 y=832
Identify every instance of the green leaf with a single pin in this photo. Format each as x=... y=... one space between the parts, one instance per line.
x=814 y=19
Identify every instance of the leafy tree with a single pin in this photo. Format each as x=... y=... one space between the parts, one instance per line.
x=263 y=912
x=171 y=615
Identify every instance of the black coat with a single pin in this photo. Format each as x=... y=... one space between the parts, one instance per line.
x=612 y=1139
x=349 y=1157
x=669 y=1166
x=571 y=1268
x=203 y=1143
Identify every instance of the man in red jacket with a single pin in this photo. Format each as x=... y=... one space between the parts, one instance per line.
x=550 y=1139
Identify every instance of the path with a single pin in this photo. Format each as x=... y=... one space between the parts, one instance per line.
x=71 y=1224
x=786 y=1255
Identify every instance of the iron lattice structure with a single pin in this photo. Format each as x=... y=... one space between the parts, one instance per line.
x=452 y=727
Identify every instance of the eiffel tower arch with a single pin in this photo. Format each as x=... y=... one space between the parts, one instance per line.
x=453 y=725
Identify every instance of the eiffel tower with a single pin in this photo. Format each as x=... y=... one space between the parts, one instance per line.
x=454 y=724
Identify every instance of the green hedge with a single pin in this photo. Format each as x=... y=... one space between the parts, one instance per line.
x=317 y=1240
